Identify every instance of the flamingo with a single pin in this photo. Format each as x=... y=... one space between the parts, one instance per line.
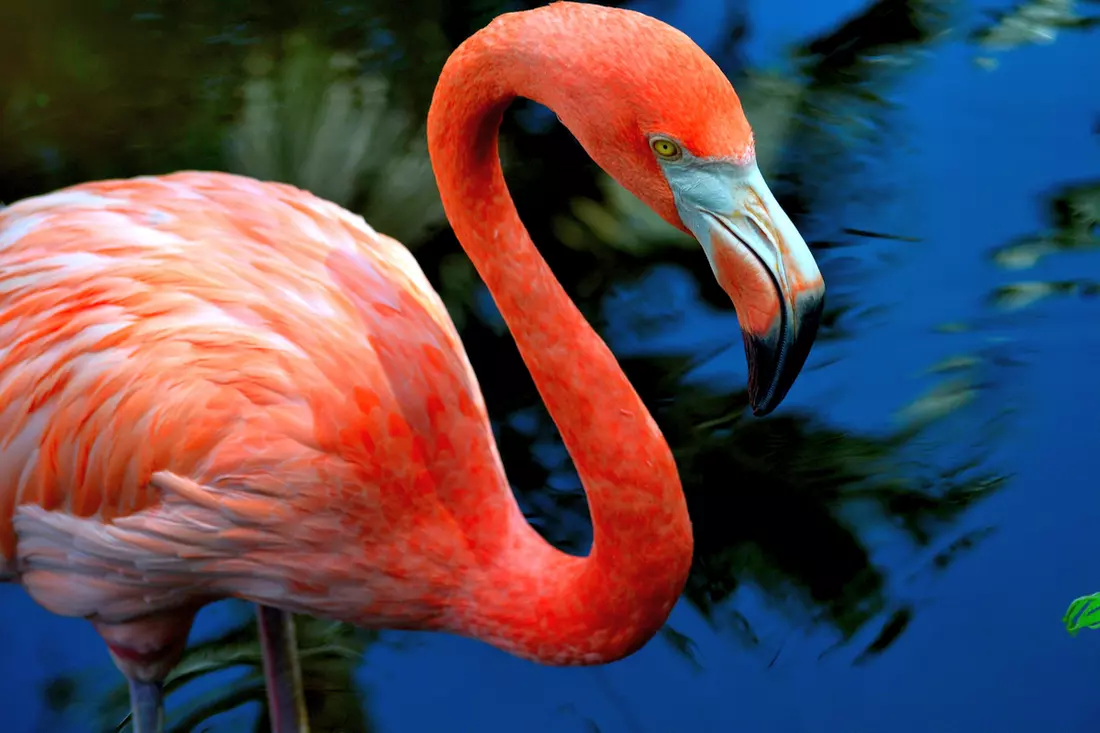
x=215 y=387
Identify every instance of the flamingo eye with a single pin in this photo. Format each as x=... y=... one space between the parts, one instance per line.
x=665 y=148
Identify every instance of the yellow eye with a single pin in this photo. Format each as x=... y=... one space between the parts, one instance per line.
x=665 y=148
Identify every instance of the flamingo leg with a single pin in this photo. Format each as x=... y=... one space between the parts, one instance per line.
x=146 y=706
x=282 y=672
x=145 y=650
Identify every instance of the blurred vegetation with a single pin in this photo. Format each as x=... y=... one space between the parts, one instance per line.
x=331 y=96
x=1083 y=613
x=1073 y=214
x=329 y=652
x=1031 y=22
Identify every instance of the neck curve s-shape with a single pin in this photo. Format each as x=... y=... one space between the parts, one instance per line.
x=539 y=603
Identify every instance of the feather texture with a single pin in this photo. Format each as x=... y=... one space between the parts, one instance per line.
x=267 y=357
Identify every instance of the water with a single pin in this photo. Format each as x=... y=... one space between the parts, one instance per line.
x=963 y=165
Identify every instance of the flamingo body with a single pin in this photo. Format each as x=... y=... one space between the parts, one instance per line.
x=200 y=368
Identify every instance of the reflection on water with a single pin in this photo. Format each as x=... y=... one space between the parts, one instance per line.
x=791 y=513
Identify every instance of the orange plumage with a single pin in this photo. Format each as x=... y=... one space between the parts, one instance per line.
x=263 y=343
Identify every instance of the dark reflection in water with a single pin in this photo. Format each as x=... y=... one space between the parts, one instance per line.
x=331 y=96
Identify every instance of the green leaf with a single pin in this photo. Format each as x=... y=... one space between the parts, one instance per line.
x=1083 y=613
x=217 y=702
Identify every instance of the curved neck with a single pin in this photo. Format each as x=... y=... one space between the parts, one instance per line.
x=540 y=603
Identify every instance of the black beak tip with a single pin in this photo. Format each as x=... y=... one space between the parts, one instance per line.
x=763 y=410
x=762 y=404
x=773 y=364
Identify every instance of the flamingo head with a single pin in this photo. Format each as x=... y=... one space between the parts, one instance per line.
x=658 y=114
x=758 y=257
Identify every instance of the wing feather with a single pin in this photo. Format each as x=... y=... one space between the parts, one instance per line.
x=287 y=374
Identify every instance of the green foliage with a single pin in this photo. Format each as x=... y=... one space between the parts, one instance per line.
x=314 y=119
x=329 y=653
x=1083 y=613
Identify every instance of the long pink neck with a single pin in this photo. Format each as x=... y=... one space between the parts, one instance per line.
x=540 y=603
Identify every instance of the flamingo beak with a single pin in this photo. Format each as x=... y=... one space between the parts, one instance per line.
x=764 y=265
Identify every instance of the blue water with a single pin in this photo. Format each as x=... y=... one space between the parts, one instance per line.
x=973 y=151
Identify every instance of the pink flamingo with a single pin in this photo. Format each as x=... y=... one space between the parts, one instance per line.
x=214 y=387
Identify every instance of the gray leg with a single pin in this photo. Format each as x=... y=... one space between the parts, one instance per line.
x=146 y=706
x=145 y=650
x=282 y=672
